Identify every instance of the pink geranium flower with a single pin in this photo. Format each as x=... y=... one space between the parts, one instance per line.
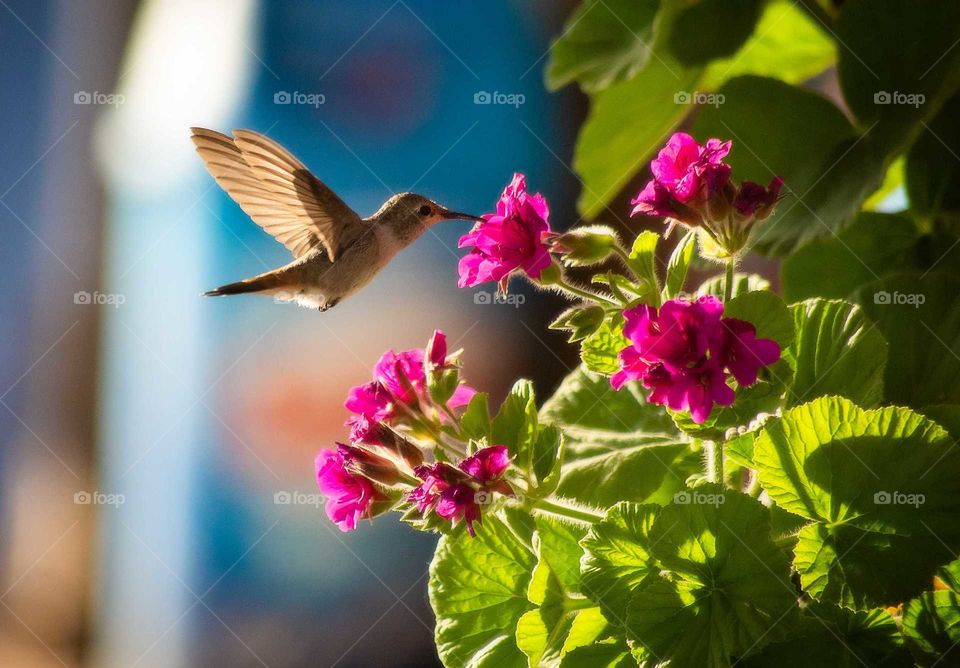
x=349 y=497
x=681 y=351
x=509 y=240
x=683 y=166
x=753 y=199
x=458 y=502
x=487 y=464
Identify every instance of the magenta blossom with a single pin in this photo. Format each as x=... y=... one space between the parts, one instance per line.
x=400 y=379
x=683 y=167
x=446 y=491
x=509 y=240
x=753 y=199
x=680 y=353
x=459 y=502
x=487 y=464
x=349 y=497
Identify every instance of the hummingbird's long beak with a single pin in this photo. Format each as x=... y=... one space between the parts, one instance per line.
x=455 y=215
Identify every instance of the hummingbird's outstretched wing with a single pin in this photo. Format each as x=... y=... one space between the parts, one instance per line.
x=275 y=189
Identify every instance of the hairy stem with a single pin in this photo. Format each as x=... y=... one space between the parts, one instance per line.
x=713 y=460
x=584 y=293
x=625 y=258
x=728 y=282
x=577 y=514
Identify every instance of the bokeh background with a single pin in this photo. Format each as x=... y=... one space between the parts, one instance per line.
x=157 y=505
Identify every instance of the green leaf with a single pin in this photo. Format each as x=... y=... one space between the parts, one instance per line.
x=839 y=638
x=618 y=446
x=881 y=488
x=931 y=622
x=695 y=39
x=600 y=351
x=478 y=591
x=933 y=170
x=920 y=317
x=475 y=420
x=769 y=122
x=643 y=261
x=787 y=44
x=563 y=619
x=741 y=283
x=874 y=245
x=945 y=415
x=767 y=312
x=547 y=454
x=516 y=424
x=605 y=654
x=626 y=125
x=724 y=587
x=888 y=48
x=679 y=264
x=837 y=350
x=604 y=41
x=617 y=558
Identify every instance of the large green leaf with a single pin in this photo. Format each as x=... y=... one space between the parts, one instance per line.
x=626 y=125
x=837 y=350
x=882 y=488
x=603 y=41
x=931 y=622
x=723 y=589
x=889 y=51
x=618 y=447
x=874 y=245
x=478 y=590
x=919 y=314
x=617 y=558
x=695 y=40
x=768 y=121
x=933 y=170
x=832 y=636
x=563 y=620
x=600 y=351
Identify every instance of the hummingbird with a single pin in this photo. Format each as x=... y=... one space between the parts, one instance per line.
x=335 y=251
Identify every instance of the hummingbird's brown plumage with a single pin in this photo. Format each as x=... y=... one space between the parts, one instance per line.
x=336 y=252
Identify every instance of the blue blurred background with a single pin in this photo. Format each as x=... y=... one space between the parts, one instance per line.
x=158 y=506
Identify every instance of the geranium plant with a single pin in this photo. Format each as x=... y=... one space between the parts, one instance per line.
x=735 y=475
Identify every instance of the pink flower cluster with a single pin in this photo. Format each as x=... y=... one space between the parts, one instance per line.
x=509 y=240
x=683 y=351
x=399 y=387
x=691 y=184
x=349 y=496
x=456 y=493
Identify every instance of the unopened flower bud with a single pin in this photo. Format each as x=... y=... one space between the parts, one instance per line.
x=585 y=246
x=551 y=275
x=580 y=321
x=361 y=461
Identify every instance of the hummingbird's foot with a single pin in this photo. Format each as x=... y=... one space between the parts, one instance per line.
x=328 y=305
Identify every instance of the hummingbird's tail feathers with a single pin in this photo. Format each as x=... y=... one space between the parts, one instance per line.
x=260 y=283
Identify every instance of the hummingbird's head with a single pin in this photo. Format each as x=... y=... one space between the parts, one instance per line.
x=410 y=214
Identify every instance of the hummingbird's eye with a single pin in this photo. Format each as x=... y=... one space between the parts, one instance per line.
x=424 y=210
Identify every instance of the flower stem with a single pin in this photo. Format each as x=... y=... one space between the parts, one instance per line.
x=585 y=294
x=728 y=282
x=577 y=514
x=753 y=487
x=625 y=258
x=713 y=456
